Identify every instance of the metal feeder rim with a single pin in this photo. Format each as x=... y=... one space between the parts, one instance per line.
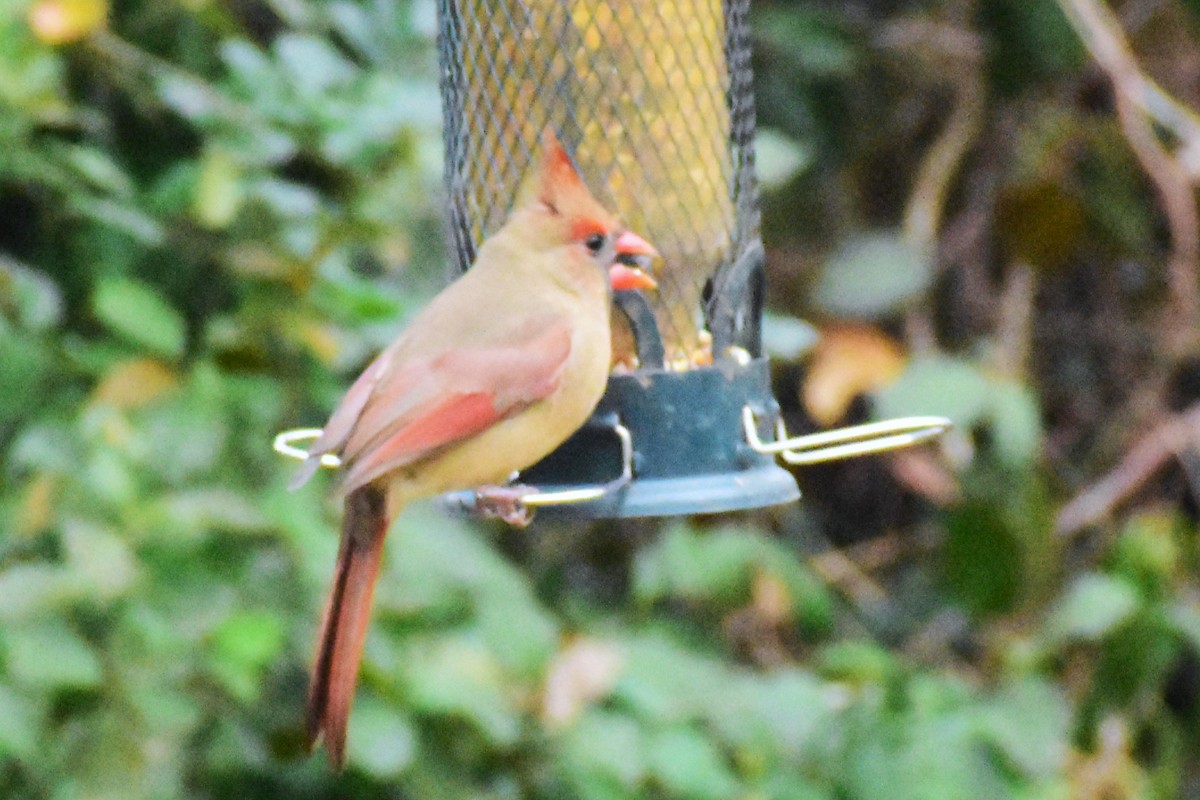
x=857 y=440
x=767 y=484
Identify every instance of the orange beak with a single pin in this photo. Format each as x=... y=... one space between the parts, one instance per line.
x=633 y=256
x=625 y=279
x=630 y=244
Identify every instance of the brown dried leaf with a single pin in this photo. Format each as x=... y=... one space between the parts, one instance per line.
x=134 y=384
x=771 y=599
x=922 y=472
x=848 y=360
x=582 y=672
x=37 y=510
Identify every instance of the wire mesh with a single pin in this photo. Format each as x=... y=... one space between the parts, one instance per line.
x=653 y=98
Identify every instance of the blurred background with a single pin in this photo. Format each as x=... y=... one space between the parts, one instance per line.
x=213 y=214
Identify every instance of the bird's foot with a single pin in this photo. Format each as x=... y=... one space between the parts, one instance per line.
x=506 y=503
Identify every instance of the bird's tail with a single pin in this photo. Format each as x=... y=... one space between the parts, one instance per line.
x=344 y=625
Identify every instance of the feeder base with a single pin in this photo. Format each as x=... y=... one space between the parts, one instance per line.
x=677 y=438
x=768 y=485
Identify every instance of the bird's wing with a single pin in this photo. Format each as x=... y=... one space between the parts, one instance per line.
x=401 y=414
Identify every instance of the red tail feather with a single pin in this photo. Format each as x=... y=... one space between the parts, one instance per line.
x=344 y=626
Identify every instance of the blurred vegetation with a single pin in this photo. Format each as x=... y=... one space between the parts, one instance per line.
x=211 y=215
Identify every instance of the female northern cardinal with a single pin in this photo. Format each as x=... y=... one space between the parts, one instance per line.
x=503 y=366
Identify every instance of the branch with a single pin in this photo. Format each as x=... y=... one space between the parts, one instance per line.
x=1172 y=438
x=1139 y=101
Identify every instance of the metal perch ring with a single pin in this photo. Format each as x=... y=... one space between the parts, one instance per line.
x=284 y=446
x=857 y=440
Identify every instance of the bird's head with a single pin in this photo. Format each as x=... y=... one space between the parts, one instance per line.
x=563 y=214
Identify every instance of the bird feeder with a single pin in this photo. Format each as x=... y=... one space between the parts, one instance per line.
x=655 y=101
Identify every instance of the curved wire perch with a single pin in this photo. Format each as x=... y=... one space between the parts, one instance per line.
x=284 y=444
x=588 y=493
x=857 y=440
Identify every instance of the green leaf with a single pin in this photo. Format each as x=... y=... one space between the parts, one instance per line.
x=35 y=298
x=1136 y=658
x=604 y=756
x=102 y=562
x=1147 y=552
x=941 y=760
x=786 y=337
x=43 y=446
x=1093 y=606
x=137 y=313
x=785 y=714
x=249 y=638
x=871 y=275
x=201 y=510
x=664 y=682
x=858 y=662
x=959 y=389
x=518 y=631
x=287 y=199
x=19 y=732
x=688 y=765
x=695 y=566
x=98 y=169
x=382 y=741
x=313 y=64
x=1033 y=42
x=50 y=655
x=457 y=675
x=779 y=158
x=1030 y=723
x=242 y=647
x=188 y=97
x=811 y=37
x=29 y=589
x=1186 y=620
x=982 y=559
x=1016 y=423
x=810 y=595
x=125 y=218
x=218 y=190
x=24 y=367
x=941 y=385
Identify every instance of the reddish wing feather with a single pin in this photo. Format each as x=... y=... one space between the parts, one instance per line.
x=457 y=417
x=460 y=394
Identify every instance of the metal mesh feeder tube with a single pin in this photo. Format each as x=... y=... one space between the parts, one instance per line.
x=654 y=101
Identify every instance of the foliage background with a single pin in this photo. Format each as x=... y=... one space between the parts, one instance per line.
x=211 y=214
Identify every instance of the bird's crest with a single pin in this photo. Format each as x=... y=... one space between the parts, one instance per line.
x=558 y=179
x=556 y=184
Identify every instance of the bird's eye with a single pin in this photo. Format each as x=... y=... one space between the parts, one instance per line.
x=595 y=242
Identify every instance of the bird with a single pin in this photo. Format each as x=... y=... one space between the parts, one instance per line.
x=500 y=368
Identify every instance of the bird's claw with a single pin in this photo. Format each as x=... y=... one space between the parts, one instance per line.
x=506 y=503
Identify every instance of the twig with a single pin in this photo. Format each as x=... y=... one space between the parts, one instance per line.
x=921 y=227
x=1172 y=437
x=1139 y=100
x=848 y=569
x=939 y=165
x=132 y=62
x=1015 y=321
x=837 y=570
